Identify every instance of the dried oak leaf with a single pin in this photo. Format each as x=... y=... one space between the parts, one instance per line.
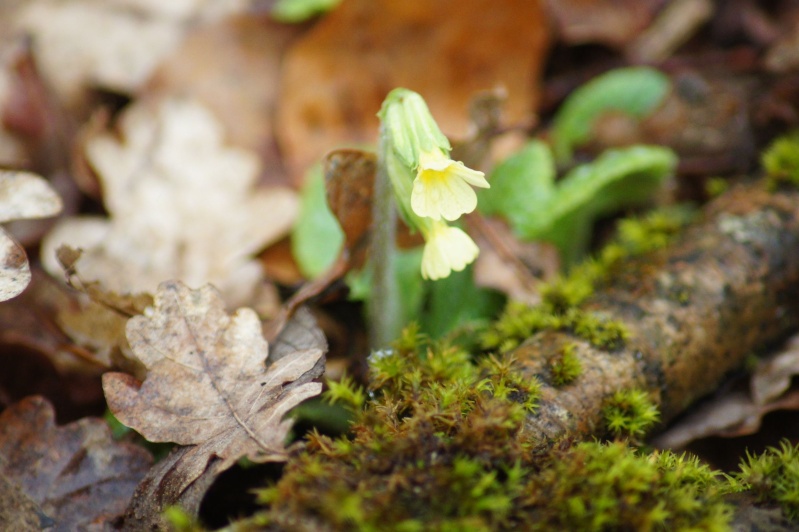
x=80 y=478
x=182 y=206
x=336 y=76
x=22 y=195
x=207 y=382
x=183 y=477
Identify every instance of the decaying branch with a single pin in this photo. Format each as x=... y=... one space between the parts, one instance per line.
x=729 y=286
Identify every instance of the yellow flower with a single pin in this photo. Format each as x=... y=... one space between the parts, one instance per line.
x=441 y=188
x=447 y=249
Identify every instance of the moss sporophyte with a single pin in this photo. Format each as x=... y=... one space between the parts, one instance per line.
x=428 y=185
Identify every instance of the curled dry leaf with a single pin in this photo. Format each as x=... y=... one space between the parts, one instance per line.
x=22 y=195
x=80 y=478
x=182 y=206
x=207 y=381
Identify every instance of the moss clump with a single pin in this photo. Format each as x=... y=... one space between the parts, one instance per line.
x=773 y=477
x=595 y=486
x=436 y=446
x=518 y=322
x=781 y=161
x=630 y=413
x=439 y=445
x=565 y=367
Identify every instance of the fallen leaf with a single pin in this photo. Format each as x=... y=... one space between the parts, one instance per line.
x=80 y=478
x=109 y=45
x=22 y=195
x=232 y=66
x=209 y=386
x=349 y=183
x=729 y=416
x=772 y=376
x=36 y=356
x=740 y=413
x=182 y=206
x=207 y=382
x=337 y=74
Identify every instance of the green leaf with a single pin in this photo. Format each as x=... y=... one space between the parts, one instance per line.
x=520 y=184
x=317 y=238
x=455 y=301
x=616 y=179
x=294 y=11
x=634 y=90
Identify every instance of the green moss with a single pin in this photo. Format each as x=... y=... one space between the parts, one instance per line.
x=780 y=160
x=345 y=392
x=439 y=445
x=600 y=332
x=565 y=366
x=595 y=486
x=519 y=322
x=629 y=414
x=773 y=477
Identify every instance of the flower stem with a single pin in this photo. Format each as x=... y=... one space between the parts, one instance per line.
x=383 y=310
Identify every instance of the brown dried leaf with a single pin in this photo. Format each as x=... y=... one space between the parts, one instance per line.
x=740 y=413
x=127 y=40
x=349 y=183
x=773 y=375
x=365 y=48
x=207 y=382
x=22 y=195
x=182 y=204
x=76 y=473
x=208 y=388
x=233 y=67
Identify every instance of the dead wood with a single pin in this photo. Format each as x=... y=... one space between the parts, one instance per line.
x=727 y=287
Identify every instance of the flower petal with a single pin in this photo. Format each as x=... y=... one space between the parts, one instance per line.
x=473 y=177
x=437 y=196
x=447 y=249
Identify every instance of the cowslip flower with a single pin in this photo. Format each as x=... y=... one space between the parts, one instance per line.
x=427 y=184
x=442 y=187
x=446 y=249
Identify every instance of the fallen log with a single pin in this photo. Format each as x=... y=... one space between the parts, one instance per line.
x=728 y=286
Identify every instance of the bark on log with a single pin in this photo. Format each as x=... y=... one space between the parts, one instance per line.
x=730 y=285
